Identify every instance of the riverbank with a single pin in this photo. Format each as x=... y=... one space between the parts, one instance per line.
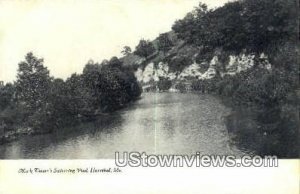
x=13 y=135
x=263 y=130
x=253 y=130
x=158 y=123
x=269 y=130
x=16 y=133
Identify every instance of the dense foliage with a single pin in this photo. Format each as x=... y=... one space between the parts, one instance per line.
x=164 y=84
x=145 y=48
x=254 y=25
x=43 y=103
x=164 y=42
x=247 y=26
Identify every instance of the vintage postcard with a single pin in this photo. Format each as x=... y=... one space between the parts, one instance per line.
x=149 y=96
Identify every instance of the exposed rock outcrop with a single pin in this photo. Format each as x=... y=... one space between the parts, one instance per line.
x=185 y=63
x=203 y=71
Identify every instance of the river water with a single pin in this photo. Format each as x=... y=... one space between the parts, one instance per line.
x=160 y=123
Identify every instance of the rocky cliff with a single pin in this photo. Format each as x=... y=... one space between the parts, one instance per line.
x=184 y=63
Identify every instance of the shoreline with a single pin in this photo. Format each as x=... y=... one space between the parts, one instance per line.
x=251 y=127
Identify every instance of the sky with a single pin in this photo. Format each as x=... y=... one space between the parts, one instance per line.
x=68 y=33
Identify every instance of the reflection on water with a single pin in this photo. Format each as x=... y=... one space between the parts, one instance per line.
x=162 y=123
x=272 y=131
x=169 y=123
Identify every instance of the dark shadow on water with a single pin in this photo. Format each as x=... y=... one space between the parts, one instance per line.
x=271 y=131
x=31 y=144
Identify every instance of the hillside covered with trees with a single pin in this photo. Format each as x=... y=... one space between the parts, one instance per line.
x=246 y=52
x=265 y=31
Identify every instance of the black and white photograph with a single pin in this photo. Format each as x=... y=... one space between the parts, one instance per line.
x=150 y=83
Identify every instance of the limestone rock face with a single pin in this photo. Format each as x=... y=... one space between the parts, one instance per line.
x=203 y=71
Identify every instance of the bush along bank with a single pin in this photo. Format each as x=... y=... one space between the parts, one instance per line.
x=37 y=103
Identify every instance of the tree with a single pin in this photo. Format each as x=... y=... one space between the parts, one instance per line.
x=254 y=25
x=164 y=42
x=33 y=89
x=145 y=48
x=114 y=62
x=33 y=82
x=126 y=50
x=194 y=22
x=164 y=84
x=109 y=87
x=75 y=94
x=6 y=95
x=178 y=63
x=43 y=103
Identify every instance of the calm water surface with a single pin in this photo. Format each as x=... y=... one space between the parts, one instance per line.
x=161 y=123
